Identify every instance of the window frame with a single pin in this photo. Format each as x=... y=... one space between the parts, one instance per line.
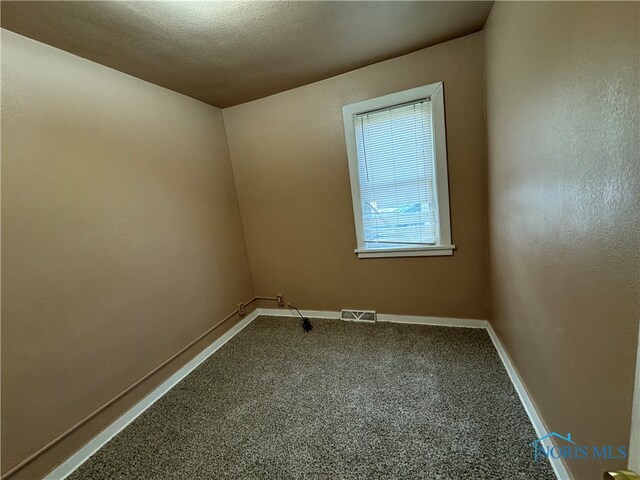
x=435 y=91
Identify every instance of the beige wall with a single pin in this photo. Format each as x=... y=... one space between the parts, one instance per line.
x=121 y=241
x=562 y=112
x=290 y=163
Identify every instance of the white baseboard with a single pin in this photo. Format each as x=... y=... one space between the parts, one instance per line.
x=558 y=464
x=78 y=458
x=96 y=443
x=286 y=312
x=634 y=438
x=437 y=321
x=382 y=317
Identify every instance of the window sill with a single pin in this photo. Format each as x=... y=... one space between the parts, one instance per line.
x=432 y=251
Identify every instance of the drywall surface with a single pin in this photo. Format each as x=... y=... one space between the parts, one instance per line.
x=121 y=241
x=564 y=173
x=290 y=164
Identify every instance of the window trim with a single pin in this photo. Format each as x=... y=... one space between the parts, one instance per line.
x=436 y=92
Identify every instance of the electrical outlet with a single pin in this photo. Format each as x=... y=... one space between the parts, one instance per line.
x=241 y=309
x=280 y=300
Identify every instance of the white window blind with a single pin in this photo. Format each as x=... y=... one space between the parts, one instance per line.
x=396 y=172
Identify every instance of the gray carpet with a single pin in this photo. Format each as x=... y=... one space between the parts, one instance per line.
x=348 y=400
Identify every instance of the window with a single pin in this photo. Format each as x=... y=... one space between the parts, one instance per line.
x=396 y=146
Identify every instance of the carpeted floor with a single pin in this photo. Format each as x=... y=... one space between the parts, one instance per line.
x=348 y=400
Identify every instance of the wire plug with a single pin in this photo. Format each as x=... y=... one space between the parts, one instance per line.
x=304 y=321
x=306 y=324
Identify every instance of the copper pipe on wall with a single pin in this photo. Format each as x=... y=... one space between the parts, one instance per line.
x=93 y=414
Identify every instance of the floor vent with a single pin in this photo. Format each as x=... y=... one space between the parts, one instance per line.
x=358 y=315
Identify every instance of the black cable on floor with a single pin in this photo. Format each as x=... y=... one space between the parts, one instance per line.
x=304 y=321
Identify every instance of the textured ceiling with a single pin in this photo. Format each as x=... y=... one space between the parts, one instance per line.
x=225 y=53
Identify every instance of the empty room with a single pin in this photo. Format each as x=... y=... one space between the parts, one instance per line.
x=320 y=240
